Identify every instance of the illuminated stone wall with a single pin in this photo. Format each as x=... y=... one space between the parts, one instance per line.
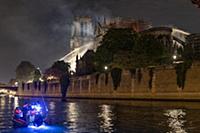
x=165 y=80
x=192 y=83
x=96 y=86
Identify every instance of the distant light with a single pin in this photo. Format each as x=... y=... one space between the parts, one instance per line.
x=29 y=81
x=11 y=96
x=174 y=57
x=106 y=68
x=16 y=83
x=3 y=91
x=71 y=73
x=41 y=79
x=12 y=93
x=51 y=77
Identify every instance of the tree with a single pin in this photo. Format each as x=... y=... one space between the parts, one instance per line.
x=37 y=74
x=62 y=66
x=25 y=71
x=149 y=51
x=187 y=57
x=114 y=40
x=126 y=49
x=52 y=72
x=57 y=69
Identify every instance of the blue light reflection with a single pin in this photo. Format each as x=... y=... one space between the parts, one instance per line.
x=42 y=129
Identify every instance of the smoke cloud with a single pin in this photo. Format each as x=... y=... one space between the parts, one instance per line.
x=39 y=30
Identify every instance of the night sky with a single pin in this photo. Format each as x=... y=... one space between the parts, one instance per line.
x=39 y=30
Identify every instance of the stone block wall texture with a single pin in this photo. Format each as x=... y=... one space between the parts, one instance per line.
x=165 y=80
x=192 y=82
x=101 y=85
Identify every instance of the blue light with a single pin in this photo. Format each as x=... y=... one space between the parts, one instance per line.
x=40 y=127
x=37 y=107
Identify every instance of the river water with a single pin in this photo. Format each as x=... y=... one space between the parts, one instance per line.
x=107 y=116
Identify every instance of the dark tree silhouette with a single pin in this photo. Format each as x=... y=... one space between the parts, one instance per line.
x=25 y=71
x=57 y=69
x=64 y=83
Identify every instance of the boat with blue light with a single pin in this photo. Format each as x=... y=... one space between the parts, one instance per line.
x=29 y=115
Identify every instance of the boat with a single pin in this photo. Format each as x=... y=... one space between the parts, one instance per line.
x=29 y=115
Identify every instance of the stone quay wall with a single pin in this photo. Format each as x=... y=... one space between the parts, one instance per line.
x=164 y=86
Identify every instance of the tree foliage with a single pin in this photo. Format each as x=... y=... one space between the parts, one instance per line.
x=52 y=72
x=148 y=51
x=57 y=69
x=25 y=71
x=181 y=68
x=114 y=41
x=123 y=48
x=62 y=66
x=37 y=74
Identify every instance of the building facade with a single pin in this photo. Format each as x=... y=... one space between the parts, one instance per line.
x=85 y=65
x=82 y=32
x=194 y=41
x=172 y=38
x=87 y=33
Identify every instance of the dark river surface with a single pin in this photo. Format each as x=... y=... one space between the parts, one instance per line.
x=107 y=116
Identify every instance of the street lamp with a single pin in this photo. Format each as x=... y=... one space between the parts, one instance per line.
x=71 y=73
x=105 y=68
x=16 y=83
x=174 y=57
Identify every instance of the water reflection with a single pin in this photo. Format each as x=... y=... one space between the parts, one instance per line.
x=73 y=115
x=16 y=102
x=52 y=106
x=3 y=103
x=107 y=116
x=92 y=116
x=176 y=120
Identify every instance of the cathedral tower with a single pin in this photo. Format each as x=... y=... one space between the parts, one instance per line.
x=82 y=32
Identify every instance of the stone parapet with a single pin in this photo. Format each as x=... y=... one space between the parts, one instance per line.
x=163 y=86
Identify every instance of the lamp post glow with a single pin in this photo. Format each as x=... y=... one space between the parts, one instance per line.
x=16 y=83
x=174 y=57
x=105 y=67
x=41 y=79
x=71 y=73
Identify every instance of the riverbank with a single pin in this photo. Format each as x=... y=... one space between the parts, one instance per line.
x=190 y=97
x=163 y=86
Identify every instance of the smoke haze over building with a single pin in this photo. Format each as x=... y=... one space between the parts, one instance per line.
x=40 y=30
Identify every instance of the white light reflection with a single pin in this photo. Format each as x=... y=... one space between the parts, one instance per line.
x=176 y=120
x=3 y=102
x=11 y=96
x=106 y=116
x=7 y=92
x=3 y=91
x=16 y=102
x=52 y=106
x=73 y=116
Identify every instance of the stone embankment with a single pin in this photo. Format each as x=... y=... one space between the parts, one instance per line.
x=161 y=86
